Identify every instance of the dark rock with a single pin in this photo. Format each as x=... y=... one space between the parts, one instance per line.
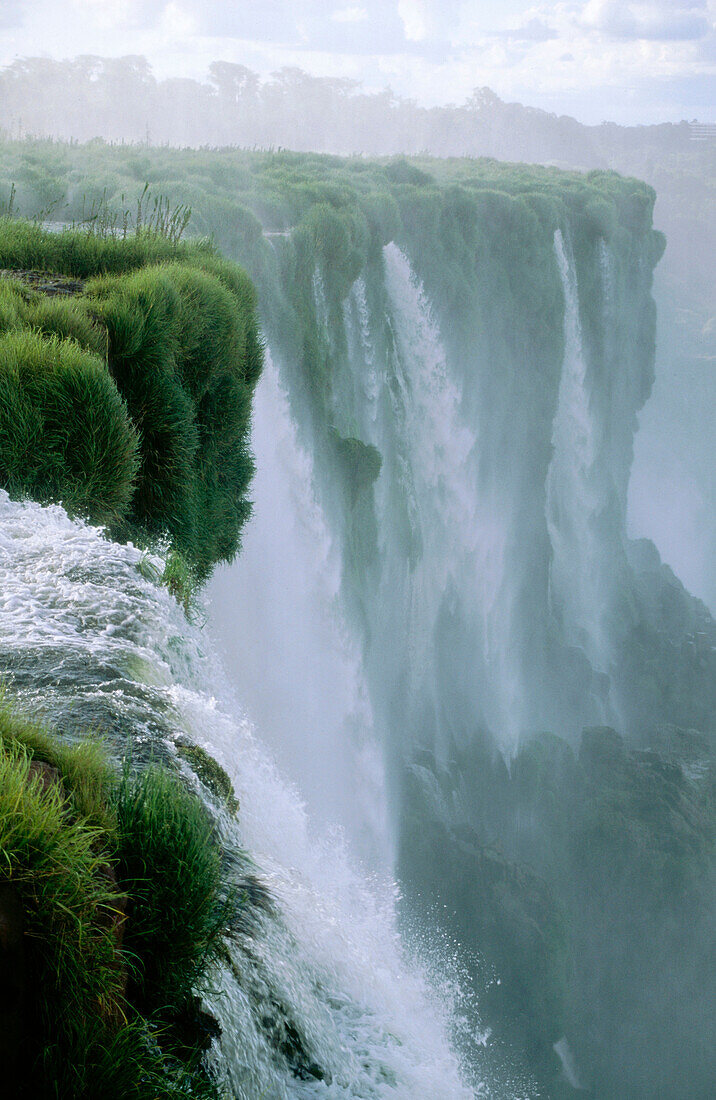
x=602 y=750
x=46 y=775
x=12 y=987
x=45 y=282
x=500 y=911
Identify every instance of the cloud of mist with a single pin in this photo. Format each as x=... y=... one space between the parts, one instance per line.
x=573 y=58
x=661 y=20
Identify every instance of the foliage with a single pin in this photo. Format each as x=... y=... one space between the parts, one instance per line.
x=211 y=774
x=360 y=462
x=68 y=903
x=86 y=776
x=64 y=430
x=119 y=886
x=179 y=577
x=170 y=866
x=176 y=351
x=126 y=1062
x=182 y=346
x=27 y=246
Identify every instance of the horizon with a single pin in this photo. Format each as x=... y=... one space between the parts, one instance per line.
x=632 y=63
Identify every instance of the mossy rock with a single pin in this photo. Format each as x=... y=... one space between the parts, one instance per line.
x=360 y=464
x=211 y=773
x=118 y=884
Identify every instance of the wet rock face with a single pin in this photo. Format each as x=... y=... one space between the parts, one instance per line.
x=500 y=911
x=46 y=282
x=12 y=985
x=585 y=880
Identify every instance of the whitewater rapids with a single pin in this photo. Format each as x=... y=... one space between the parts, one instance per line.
x=90 y=641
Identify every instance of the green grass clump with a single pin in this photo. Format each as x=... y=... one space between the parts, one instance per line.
x=26 y=246
x=127 y=1062
x=83 y=767
x=68 y=903
x=179 y=577
x=360 y=462
x=65 y=435
x=210 y=772
x=175 y=325
x=185 y=354
x=171 y=867
x=120 y=889
x=66 y=318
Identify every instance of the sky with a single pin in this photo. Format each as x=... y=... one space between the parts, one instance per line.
x=629 y=61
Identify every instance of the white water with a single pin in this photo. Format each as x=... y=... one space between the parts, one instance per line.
x=580 y=574
x=463 y=527
x=293 y=661
x=90 y=639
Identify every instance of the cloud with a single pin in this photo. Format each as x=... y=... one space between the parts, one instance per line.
x=366 y=27
x=534 y=30
x=349 y=15
x=658 y=20
x=11 y=13
x=632 y=59
x=177 y=21
x=417 y=18
x=118 y=14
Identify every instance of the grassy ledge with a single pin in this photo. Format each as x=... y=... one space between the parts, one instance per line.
x=112 y=913
x=126 y=383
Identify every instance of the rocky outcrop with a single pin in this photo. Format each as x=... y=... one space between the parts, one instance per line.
x=12 y=986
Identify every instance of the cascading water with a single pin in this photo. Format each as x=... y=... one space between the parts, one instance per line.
x=90 y=640
x=581 y=574
x=294 y=664
x=461 y=572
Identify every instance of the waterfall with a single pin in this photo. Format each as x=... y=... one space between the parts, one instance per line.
x=460 y=585
x=294 y=663
x=582 y=564
x=90 y=640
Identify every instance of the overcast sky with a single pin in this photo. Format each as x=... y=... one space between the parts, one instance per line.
x=626 y=60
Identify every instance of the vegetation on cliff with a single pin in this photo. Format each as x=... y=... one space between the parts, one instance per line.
x=306 y=226
x=126 y=394
x=113 y=909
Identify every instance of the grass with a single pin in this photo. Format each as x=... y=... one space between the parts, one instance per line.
x=109 y=1013
x=80 y=253
x=211 y=774
x=130 y=401
x=84 y=769
x=68 y=903
x=65 y=434
x=171 y=868
x=185 y=354
x=128 y=1062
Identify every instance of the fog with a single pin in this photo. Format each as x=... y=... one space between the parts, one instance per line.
x=672 y=496
x=472 y=671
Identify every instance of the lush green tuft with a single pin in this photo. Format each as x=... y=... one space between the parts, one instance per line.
x=185 y=355
x=171 y=868
x=86 y=775
x=64 y=430
x=210 y=772
x=118 y=882
x=27 y=246
x=176 y=326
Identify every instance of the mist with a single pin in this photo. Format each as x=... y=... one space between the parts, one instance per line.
x=672 y=497
x=462 y=669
